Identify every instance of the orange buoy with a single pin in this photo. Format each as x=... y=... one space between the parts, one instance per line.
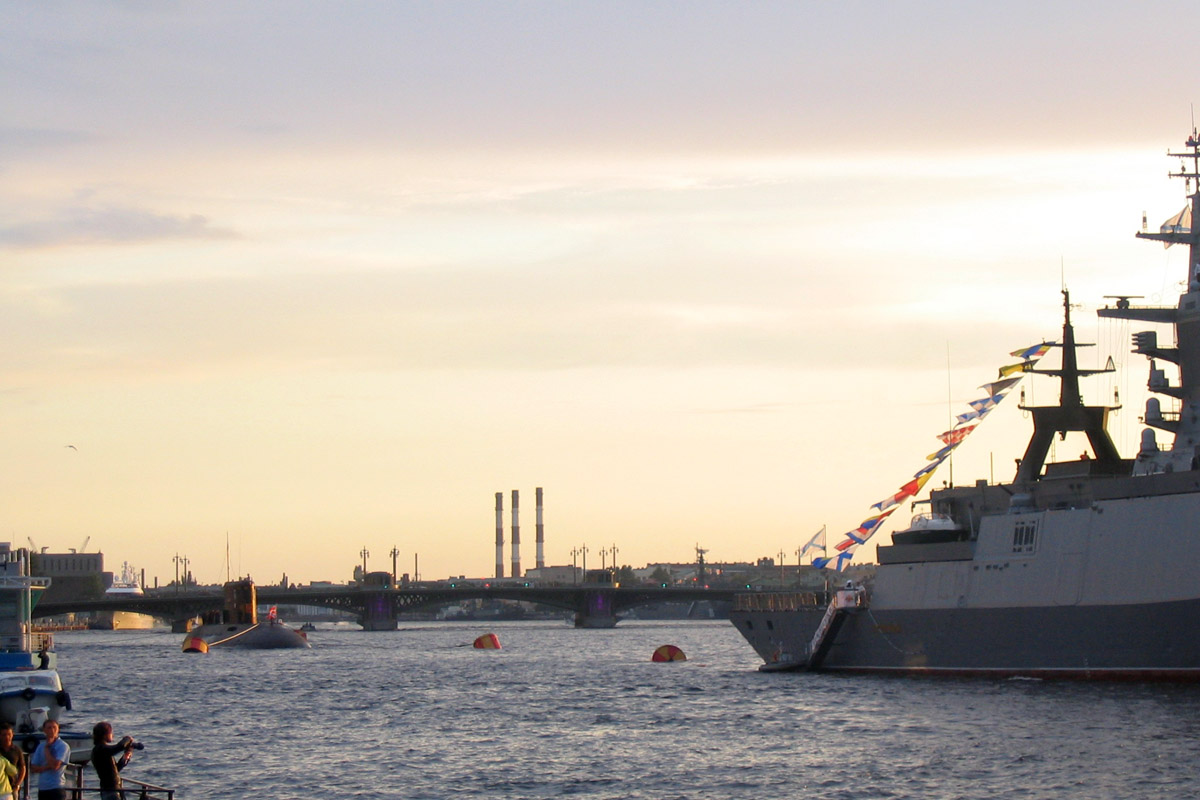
x=668 y=652
x=489 y=641
x=195 y=644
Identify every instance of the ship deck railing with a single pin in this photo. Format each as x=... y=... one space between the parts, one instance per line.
x=24 y=582
x=77 y=788
x=26 y=642
x=779 y=601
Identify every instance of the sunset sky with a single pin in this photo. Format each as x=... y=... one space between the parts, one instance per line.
x=321 y=276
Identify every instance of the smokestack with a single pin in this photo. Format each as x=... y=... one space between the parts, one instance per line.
x=541 y=532
x=516 y=538
x=499 y=534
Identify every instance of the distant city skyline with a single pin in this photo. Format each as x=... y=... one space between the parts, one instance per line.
x=317 y=277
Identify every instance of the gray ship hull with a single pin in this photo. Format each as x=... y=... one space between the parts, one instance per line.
x=258 y=636
x=1159 y=641
x=1083 y=599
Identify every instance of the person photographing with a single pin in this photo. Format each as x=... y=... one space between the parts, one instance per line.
x=109 y=759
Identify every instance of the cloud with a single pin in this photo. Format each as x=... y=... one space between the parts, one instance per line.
x=26 y=140
x=660 y=77
x=110 y=225
x=454 y=320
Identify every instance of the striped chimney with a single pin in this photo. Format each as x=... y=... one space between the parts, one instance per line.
x=541 y=532
x=499 y=534
x=516 y=537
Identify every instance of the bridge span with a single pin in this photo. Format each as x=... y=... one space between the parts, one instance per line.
x=379 y=607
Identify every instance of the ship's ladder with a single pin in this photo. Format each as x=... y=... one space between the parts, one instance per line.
x=840 y=605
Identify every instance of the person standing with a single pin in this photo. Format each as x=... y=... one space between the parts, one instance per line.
x=11 y=753
x=108 y=768
x=49 y=763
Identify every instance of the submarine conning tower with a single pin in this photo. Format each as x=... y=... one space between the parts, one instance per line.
x=1182 y=421
x=241 y=603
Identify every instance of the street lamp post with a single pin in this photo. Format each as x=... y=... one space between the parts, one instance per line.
x=364 y=553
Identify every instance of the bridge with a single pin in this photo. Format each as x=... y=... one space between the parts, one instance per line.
x=379 y=607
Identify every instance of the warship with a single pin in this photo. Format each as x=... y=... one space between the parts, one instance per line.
x=1084 y=569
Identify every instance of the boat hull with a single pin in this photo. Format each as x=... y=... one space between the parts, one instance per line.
x=1084 y=598
x=1156 y=641
x=29 y=697
x=257 y=636
x=122 y=621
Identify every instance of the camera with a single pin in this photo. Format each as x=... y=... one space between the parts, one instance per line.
x=138 y=746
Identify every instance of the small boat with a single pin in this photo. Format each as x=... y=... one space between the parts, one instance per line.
x=29 y=697
x=307 y=627
x=237 y=625
x=31 y=690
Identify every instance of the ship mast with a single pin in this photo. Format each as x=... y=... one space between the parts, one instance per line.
x=1071 y=414
x=1184 y=425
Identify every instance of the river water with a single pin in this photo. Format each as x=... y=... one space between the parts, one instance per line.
x=559 y=712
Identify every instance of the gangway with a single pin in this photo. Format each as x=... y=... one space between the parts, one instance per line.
x=842 y=602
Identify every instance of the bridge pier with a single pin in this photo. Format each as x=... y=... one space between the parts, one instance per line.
x=379 y=613
x=597 y=611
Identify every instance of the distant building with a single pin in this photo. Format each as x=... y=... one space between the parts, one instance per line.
x=562 y=575
x=73 y=576
x=68 y=564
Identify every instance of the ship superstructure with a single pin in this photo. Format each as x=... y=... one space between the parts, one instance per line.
x=1048 y=575
x=1182 y=424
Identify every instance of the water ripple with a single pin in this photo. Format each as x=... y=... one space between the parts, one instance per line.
x=417 y=713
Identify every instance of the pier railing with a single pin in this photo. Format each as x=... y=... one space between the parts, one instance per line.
x=78 y=790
